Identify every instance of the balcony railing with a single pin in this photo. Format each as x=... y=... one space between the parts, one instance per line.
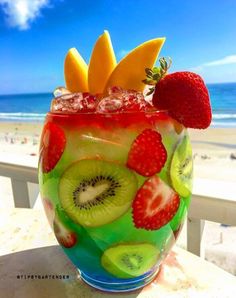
x=212 y=201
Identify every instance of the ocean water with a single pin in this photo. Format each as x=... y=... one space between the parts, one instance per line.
x=33 y=107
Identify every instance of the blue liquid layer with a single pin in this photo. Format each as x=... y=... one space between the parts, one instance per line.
x=120 y=285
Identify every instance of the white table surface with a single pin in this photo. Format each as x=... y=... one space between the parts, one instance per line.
x=28 y=247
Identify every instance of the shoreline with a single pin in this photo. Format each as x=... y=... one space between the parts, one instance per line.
x=38 y=119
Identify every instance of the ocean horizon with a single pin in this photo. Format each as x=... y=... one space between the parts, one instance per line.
x=32 y=107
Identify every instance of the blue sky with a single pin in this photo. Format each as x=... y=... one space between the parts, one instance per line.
x=36 y=34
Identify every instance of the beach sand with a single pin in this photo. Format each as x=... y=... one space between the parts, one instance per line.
x=19 y=138
x=214 y=149
x=214 y=152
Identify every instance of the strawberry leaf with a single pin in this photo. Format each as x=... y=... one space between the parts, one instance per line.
x=156 y=77
x=153 y=76
x=148 y=72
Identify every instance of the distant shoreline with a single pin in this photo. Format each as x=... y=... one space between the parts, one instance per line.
x=51 y=92
x=219 y=120
x=32 y=107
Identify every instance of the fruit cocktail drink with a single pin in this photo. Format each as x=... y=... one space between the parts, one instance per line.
x=115 y=167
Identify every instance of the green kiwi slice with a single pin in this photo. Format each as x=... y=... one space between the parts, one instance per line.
x=96 y=192
x=130 y=260
x=181 y=168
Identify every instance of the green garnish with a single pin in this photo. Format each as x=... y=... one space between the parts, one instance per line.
x=154 y=75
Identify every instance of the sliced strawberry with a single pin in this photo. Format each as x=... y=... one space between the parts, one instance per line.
x=49 y=210
x=147 y=155
x=155 y=204
x=64 y=236
x=52 y=146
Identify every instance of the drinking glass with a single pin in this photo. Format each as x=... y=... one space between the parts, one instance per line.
x=116 y=224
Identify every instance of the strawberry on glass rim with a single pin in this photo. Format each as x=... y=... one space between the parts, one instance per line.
x=184 y=94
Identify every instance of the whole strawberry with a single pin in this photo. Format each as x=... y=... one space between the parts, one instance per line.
x=185 y=96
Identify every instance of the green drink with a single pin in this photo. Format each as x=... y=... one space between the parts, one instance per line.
x=115 y=168
x=115 y=220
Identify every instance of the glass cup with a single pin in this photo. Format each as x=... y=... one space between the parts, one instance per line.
x=114 y=218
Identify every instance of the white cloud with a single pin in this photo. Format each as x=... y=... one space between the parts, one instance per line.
x=226 y=60
x=20 y=13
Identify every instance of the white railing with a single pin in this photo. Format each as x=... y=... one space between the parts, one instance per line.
x=209 y=208
x=20 y=176
x=212 y=201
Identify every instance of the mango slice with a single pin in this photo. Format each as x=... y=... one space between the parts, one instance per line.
x=75 y=72
x=102 y=63
x=130 y=71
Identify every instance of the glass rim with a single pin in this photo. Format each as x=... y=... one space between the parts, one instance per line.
x=63 y=114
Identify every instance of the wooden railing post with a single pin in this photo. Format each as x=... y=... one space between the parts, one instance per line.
x=20 y=193
x=195 y=228
x=215 y=202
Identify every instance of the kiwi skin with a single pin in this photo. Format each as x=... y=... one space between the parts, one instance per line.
x=129 y=260
x=182 y=157
x=81 y=180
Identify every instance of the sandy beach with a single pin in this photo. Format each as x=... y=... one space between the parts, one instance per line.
x=214 y=149
x=21 y=138
x=214 y=152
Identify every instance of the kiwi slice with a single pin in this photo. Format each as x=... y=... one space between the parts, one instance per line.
x=96 y=192
x=130 y=260
x=181 y=168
